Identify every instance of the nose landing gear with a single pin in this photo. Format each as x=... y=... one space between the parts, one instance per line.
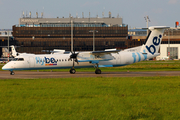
x=12 y=73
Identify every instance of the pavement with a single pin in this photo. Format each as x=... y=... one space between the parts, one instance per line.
x=34 y=75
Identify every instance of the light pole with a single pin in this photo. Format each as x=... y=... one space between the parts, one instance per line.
x=168 y=45
x=147 y=20
x=93 y=31
x=8 y=44
x=71 y=34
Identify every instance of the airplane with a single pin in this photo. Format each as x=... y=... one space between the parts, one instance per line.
x=97 y=59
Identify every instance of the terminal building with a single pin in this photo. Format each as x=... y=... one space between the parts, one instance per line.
x=41 y=35
x=37 y=35
x=5 y=35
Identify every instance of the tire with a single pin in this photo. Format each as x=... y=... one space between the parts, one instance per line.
x=72 y=71
x=12 y=73
x=98 y=71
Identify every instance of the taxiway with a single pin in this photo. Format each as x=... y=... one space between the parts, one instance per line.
x=34 y=75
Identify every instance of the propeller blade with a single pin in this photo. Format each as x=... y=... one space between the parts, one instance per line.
x=73 y=63
x=73 y=57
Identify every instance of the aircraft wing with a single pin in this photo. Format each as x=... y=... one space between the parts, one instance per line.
x=104 y=52
x=96 y=56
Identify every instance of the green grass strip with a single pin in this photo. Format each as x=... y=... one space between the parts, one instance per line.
x=90 y=98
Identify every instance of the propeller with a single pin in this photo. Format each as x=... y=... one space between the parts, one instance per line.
x=73 y=57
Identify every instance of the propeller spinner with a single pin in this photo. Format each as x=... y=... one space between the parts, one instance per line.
x=74 y=57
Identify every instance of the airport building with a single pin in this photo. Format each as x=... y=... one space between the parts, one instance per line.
x=5 y=35
x=41 y=35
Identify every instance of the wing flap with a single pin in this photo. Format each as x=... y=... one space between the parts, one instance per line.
x=104 y=52
x=95 y=56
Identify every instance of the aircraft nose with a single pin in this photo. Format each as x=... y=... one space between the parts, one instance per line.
x=6 y=67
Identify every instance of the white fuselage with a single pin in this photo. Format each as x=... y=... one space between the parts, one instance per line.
x=59 y=61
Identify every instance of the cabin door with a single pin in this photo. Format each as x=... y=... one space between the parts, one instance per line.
x=31 y=62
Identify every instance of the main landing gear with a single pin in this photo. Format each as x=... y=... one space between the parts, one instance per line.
x=72 y=71
x=12 y=73
x=97 y=71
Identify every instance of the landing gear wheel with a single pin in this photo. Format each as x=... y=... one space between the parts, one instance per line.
x=12 y=73
x=72 y=71
x=98 y=71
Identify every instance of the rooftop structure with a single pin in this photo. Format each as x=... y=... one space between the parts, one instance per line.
x=65 y=22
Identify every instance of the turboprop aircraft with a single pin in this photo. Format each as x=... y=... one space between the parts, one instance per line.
x=97 y=59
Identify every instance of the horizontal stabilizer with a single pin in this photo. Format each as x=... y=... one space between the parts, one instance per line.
x=158 y=27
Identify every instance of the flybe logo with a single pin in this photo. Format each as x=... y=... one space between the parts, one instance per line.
x=46 y=61
x=156 y=41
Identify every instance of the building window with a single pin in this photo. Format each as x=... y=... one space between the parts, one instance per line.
x=173 y=52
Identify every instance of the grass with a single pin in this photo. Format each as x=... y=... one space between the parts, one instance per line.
x=90 y=98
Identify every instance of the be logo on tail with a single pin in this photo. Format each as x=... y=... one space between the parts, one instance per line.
x=156 y=41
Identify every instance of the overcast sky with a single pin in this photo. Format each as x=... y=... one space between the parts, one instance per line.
x=160 y=12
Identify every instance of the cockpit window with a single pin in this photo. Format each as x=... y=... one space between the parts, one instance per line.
x=15 y=59
x=18 y=59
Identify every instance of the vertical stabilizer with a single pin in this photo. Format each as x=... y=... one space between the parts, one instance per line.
x=153 y=40
x=14 y=53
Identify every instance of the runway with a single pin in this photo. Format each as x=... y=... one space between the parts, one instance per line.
x=34 y=75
